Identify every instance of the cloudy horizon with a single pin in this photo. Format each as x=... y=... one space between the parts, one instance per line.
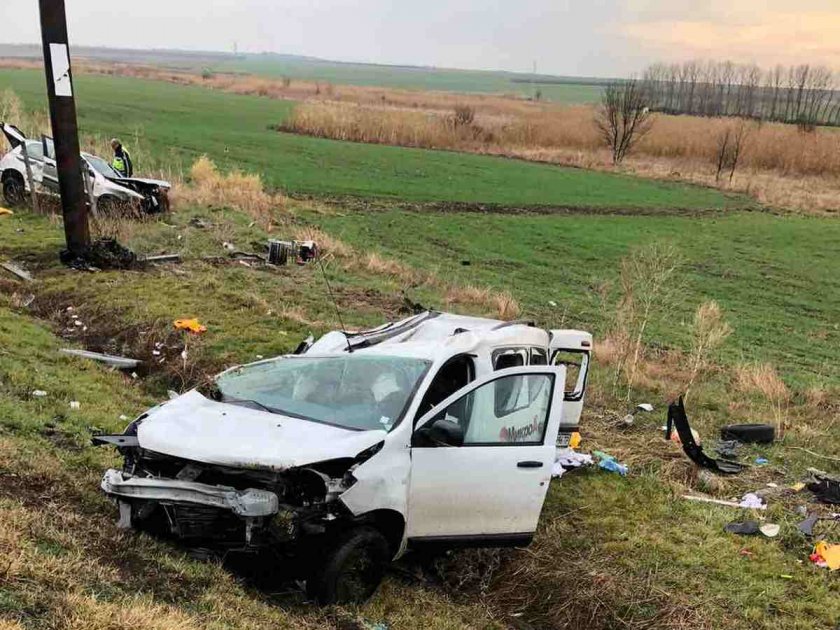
x=565 y=37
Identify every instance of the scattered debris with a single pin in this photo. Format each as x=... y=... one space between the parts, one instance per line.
x=747 y=528
x=568 y=459
x=163 y=258
x=761 y=461
x=5 y=212
x=771 y=530
x=229 y=246
x=200 y=223
x=678 y=418
x=728 y=449
x=39 y=393
x=825 y=487
x=279 y=252
x=748 y=501
x=807 y=526
x=18 y=271
x=752 y=501
x=104 y=253
x=609 y=463
x=749 y=433
x=630 y=418
x=75 y=404
x=190 y=325
x=121 y=363
x=826 y=556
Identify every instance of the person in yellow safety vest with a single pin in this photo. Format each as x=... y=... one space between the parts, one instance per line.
x=122 y=160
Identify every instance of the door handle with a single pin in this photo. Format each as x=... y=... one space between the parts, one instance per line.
x=530 y=464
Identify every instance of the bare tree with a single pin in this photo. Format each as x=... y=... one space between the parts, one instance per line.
x=804 y=95
x=623 y=117
x=730 y=148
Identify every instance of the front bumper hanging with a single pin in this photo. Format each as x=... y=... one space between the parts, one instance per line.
x=248 y=503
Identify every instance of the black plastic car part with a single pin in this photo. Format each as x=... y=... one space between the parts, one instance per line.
x=678 y=418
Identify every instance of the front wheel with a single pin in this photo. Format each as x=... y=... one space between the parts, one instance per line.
x=351 y=569
x=14 y=190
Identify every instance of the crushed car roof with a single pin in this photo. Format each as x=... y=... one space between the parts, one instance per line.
x=430 y=333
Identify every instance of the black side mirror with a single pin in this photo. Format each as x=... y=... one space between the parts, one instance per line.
x=441 y=433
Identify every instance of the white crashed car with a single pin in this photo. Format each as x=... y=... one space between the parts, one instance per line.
x=110 y=189
x=435 y=431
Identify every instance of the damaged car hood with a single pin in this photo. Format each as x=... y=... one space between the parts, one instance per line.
x=195 y=428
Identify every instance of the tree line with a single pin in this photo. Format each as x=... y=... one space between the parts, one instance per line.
x=804 y=95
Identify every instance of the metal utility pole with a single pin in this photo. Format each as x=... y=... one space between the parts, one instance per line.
x=63 y=121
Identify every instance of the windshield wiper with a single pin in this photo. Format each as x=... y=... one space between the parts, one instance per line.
x=256 y=403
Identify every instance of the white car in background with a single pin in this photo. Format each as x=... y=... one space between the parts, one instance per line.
x=437 y=431
x=110 y=189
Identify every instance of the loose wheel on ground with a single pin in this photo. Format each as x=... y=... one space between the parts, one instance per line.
x=351 y=568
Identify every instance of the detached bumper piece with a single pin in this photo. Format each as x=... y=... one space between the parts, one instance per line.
x=193 y=510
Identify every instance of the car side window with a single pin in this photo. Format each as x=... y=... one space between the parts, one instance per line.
x=577 y=365
x=35 y=151
x=456 y=374
x=539 y=356
x=522 y=421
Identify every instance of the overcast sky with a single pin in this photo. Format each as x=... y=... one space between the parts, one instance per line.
x=573 y=37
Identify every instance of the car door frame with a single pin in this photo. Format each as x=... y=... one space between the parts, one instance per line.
x=538 y=462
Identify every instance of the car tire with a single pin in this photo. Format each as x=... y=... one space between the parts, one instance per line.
x=351 y=568
x=749 y=433
x=14 y=189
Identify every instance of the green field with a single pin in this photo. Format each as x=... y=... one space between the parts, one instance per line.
x=772 y=275
x=176 y=124
x=610 y=553
x=559 y=89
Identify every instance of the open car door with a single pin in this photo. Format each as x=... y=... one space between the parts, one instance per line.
x=482 y=459
x=14 y=135
x=571 y=349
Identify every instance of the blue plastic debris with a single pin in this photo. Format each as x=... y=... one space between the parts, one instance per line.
x=761 y=461
x=609 y=463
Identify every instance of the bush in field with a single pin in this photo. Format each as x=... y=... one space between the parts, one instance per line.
x=648 y=285
x=240 y=191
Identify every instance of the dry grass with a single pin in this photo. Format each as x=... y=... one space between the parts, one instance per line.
x=32 y=123
x=328 y=244
x=780 y=165
x=763 y=379
x=501 y=305
x=209 y=187
x=708 y=333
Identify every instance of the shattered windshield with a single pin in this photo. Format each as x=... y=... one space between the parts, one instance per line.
x=102 y=166
x=354 y=391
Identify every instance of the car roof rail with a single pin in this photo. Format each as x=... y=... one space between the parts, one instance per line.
x=516 y=322
x=389 y=333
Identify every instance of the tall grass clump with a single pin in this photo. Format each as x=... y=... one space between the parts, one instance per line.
x=764 y=380
x=207 y=186
x=709 y=331
x=648 y=285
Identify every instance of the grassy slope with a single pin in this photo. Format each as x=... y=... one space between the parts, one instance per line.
x=772 y=275
x=233 y=130
x=629 y=552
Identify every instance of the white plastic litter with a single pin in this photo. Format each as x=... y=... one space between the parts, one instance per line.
x=752 y=501
x=39 y=393
x=567 y=459
x=75 y=404
x=771 y=530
